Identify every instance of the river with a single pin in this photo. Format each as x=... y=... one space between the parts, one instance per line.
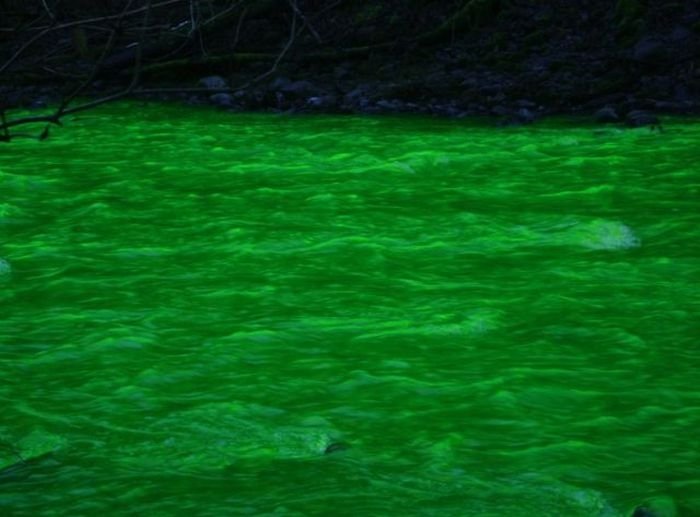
x=212 y=314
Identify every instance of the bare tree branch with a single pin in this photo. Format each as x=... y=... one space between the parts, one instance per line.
x=236 y=36
x=48 y=11
x=109 y=45
x=307 y=24
x=133 y=89
x=139 y=49
x=55 y=27
x=287 y=46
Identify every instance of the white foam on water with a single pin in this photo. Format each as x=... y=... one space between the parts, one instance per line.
x=568 y=141
x=406 y=167
x=609 y=235
x=442 y=160
x=5 y=268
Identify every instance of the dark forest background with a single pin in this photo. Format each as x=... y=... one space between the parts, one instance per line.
x=510 y=58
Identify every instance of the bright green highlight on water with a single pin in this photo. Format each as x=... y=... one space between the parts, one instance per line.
x=196 y=305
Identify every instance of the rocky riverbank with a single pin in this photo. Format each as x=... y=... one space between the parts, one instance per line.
x=622 y=64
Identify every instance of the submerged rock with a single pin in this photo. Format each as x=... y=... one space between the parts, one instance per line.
x=219 y=435
x=661 y=506
x=33 y=447
x=336 y=447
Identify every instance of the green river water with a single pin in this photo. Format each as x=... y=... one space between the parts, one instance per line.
x=208 y=314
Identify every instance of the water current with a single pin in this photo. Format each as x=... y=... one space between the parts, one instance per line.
x=209 y=314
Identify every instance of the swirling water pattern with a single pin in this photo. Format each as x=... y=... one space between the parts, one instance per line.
x=196 y=306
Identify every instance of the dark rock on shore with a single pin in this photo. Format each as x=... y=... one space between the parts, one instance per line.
x=639 y=118
x=323 y=102
x=301 y=88
x=606 y=115
x=650 y=51
x=213 y=82
x=222 y=100
x=521 y=117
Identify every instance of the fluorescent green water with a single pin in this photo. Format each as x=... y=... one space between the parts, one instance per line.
x=497 y=322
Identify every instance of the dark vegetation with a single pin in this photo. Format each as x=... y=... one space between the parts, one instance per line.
x=515 y=59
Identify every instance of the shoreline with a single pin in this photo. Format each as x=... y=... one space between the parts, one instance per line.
x=285 y=97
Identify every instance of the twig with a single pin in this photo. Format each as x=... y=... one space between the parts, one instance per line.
x=46 y=8
x=64 y=110
x=307 y=24
x=290 y=42
x=67 y=25
x=139 y=50
x=238 y=28
x=223 y=13
x=61 y=110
